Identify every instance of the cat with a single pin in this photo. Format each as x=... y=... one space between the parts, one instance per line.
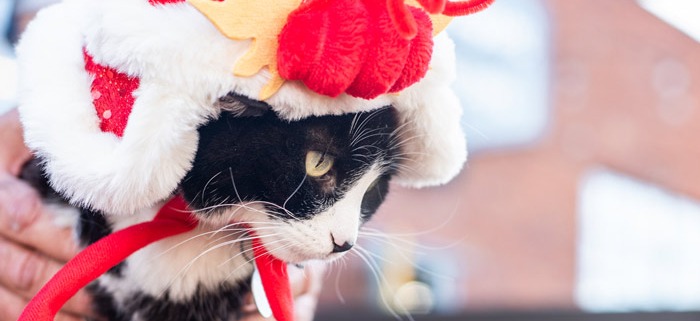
x=304 y=187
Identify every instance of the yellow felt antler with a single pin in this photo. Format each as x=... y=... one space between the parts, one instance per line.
x=259 y=20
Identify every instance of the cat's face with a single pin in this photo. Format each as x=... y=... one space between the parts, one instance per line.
x=304 y=187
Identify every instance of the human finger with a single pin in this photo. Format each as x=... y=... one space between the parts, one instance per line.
x=12 y=306
x=18 y=204
x=23 y=272
x=306 y=303
x=24 y=220
x=15 y=152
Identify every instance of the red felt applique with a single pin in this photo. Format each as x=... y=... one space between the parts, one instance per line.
x=112 y=95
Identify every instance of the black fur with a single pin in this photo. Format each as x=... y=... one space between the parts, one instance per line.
x=222 y=304
x=263 y=159
x=33 y=174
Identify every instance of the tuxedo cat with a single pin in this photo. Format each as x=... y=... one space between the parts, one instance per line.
x=304 y=188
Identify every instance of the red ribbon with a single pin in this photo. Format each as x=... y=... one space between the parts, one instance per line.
x=172 y=219
x=275 y=281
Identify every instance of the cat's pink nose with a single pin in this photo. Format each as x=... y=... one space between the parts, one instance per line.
x=340 y=248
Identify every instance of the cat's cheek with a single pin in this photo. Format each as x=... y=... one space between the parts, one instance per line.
x=327 y=235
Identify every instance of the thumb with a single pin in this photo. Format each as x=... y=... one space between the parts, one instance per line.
x=19 y=204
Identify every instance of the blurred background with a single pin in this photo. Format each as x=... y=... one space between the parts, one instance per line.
x=580 y=200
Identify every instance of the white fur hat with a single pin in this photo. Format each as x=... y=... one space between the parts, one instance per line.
x=86 y=67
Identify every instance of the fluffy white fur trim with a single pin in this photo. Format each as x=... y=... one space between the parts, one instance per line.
x=433 y=141
x=93 y=168
x=184 y=64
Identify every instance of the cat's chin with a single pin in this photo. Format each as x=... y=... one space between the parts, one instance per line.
x=303 y=258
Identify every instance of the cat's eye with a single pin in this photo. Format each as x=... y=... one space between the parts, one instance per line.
x=318 y=164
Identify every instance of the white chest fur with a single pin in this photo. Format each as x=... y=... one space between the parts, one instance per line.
x=202 y=259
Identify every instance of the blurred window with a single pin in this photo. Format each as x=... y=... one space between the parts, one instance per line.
x=681 y=14
x=8 y=67
x=8 y=83
x=503 y=73
x=639 y=246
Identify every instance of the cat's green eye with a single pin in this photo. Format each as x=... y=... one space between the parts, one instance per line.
x=318 y=164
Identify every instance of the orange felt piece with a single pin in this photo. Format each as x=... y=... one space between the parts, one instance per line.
x=259 y=20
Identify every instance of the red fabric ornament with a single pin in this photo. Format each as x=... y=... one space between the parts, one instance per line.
x=433 y=6
x=172 y=219
x=336 y=46
x=154 y=2
x=385 y=58
x=401 y=17
x=112 y=94
x=464 y=8
x=419 y=55
x=323 y=44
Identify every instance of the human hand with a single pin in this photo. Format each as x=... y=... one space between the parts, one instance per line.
x=32 y=247
x=32 y=250
x=306 y=287
x=13 y=152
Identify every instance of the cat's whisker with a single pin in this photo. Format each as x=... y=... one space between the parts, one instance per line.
x=218 y=246
x=404 y=256
x=404 y=168
x=284 y=205
x=233 y=183
x=399 y=142
x=207 y=184
x=377 y=150
x=352 y=124
x=249 y=261
x=269 y=204
x=251 y=249
x=243 y=231
x=367 y=134
x=379 y=278
x=181 y=273
x=342 y=265
x=447 y=221
x=404 y=153
x=476 y=130
x=364 y=122
x=390 y=238
x=400 y=130
x=211 y=233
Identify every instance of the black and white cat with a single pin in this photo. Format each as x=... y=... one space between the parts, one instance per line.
x=303 y=187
